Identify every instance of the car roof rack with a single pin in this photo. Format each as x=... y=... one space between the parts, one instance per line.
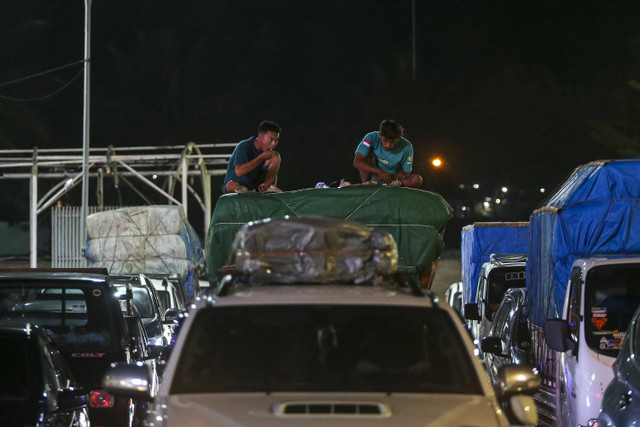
x=227 y=282
x=504 y=259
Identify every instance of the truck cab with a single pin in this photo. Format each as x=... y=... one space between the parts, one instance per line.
x=496 y=276
x=601 y=298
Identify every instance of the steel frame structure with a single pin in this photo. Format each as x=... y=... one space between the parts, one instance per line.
x=176 y=163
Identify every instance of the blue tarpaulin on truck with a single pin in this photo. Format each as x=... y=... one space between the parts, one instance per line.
x=596 y=211
x=480 y=240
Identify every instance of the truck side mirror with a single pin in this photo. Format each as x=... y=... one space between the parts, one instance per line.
x=558 y=335
x=471 y=311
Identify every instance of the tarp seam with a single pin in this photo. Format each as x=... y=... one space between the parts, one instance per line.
x=289 y=207
x=361 y=204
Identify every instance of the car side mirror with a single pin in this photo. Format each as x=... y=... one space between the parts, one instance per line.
x=155 y=351
x=71 y=399
x=516 y=384
x=492 y=345
x=521 y=410
x=128 y=380
x=171 y=315
x=557 y=335
x=471 y=311
x=132 y=325
x=517 y=379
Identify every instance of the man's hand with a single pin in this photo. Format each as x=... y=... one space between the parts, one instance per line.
x=269 y=154
x=263 y=187
x=384 y=177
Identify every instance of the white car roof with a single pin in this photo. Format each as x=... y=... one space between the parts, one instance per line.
x=337 y=294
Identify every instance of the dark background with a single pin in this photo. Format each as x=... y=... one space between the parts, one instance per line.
x=507 y=93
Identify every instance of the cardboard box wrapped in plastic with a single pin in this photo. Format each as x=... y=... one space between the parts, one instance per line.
x=312 y=250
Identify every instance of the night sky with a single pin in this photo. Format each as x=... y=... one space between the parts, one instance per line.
x=512 y=93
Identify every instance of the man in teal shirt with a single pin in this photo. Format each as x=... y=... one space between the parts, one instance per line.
x=386 y=156
x=254 y=164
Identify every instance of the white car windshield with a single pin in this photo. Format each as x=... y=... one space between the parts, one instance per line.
x=352 y=348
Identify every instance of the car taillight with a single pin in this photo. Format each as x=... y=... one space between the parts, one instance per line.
x=100 y=399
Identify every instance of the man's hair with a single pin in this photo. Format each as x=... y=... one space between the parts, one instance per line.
x=391 y=129
x=268 y=126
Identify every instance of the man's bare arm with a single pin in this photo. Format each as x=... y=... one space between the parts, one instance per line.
x=244 y=168
x=360 y=162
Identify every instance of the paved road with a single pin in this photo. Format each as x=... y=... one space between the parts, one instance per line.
x=449 y=271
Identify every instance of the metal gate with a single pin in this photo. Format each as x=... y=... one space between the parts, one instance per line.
x=66 y=244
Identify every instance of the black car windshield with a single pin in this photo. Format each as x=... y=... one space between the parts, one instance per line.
x=611 y=297
x=74 y=317
x=324 y=348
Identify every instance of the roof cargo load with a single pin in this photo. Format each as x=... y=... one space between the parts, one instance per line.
x=482 y=239
x=596 y=211
x=312 y=250
x=146 y=239
x=415 y=218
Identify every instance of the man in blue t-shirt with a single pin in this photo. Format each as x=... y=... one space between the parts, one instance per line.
x=386 y=156
x=254 y=164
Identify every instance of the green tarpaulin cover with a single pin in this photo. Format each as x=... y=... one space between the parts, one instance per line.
x=415 y=218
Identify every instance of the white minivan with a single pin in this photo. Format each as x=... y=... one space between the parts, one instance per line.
x=601 y=298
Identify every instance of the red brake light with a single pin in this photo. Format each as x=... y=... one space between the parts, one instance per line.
x=100 y=399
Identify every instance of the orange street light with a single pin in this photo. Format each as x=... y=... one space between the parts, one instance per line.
x=436 y=162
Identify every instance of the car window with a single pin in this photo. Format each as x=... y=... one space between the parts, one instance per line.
x=164 y=298
x=457 y=301
x=334 y=348
x=502 y=315
x=74 y=317
x=612 y=295
x=506 y=327
x=142 y=300
x=15 y=370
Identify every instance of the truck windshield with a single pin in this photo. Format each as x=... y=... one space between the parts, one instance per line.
x=349 y=348
x=612 y=295
x=74 y=316
x=503 y=278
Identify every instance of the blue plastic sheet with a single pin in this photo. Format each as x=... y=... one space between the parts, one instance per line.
x=480 y=240
x=595 y=212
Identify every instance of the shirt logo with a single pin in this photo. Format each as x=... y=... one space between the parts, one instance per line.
x=366 y=143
